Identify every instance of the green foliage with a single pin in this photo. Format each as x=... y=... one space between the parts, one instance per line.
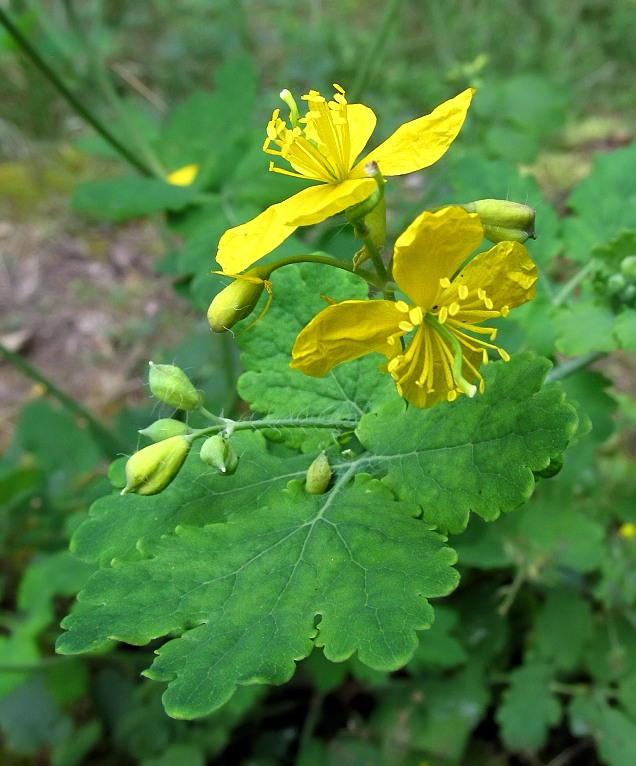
x=514 y=639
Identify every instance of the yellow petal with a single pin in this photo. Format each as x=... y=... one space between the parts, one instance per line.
x=421 y=142
x=243 y=245
x=361 y=121
x=184 y=176
x=346 y=331
x=317 y=203
x=505 y=273
x=434 y=246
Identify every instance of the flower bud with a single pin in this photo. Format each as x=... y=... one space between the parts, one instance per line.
x=152 y=468
x=628 y=267
x=219 y=453
x=164 y=428
x=171 y=385
x=503 y=220
x=318 y=476
x=616 y=283
x=236 y=301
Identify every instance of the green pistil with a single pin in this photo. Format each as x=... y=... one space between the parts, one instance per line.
x=458 y=357
x=294 y=114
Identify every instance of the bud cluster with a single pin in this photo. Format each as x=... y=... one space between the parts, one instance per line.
x=151 y=469
x=615 y=277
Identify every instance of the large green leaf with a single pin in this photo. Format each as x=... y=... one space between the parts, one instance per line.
x=474 y=454
x=117 y=526
x=350 y=571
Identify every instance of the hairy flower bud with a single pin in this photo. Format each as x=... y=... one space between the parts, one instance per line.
x=318 y=476
x=171 y=385
x=152 y=468
x=164 y=428
x=219 y=453
x=236 y=301
x=503 y=220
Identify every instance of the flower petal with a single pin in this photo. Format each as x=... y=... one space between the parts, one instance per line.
x=317 y=203
x=421 y=142
x=346 y=331
x=243 y=245
x=506 y=274
x=434 y=246
x=362 y=122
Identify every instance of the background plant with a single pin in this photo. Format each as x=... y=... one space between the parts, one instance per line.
x=543 y=619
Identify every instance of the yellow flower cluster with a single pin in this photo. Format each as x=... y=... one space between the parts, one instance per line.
x=431 y=336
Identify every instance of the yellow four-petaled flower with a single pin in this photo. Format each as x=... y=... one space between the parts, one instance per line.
x=446 y=302
x=323 y=147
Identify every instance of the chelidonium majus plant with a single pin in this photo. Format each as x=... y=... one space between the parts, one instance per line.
x=379 y=424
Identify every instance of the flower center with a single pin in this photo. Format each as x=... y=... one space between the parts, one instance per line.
x=318 y=145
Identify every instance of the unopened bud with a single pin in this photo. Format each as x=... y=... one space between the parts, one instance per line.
x=171 y=385
x=318 y=476
x=504 y=221
x=236 y=301
x=164 y=428
x=628 y=267
x=152 y=468
x=616 y=283
x=219 y=453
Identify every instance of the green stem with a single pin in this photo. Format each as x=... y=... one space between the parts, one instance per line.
x=226 y=424
x=373 y=50
x=313 y=713
x=326 y=260
x=109 y=442
x=565 y=369
x=52 y=76
x=567 y=288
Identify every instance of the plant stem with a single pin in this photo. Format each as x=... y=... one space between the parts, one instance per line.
x=328 y=261
x=313 y=713
x=231 y=426
x=567 y=288
x=52 y=76
x=110 y=443
x=373 y=50
x=565 y=369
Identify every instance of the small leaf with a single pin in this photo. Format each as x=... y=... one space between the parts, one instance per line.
x=613 y=731
x=563 y=627
x=269 y=384
x=529 y=708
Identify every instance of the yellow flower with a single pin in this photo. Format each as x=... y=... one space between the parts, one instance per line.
x=183 y=176
x=446 y=304
x=323 y=146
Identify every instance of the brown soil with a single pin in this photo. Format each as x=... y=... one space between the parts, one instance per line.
x=83 y=305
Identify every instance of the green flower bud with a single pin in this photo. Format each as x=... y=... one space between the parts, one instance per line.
x=219 y=453
x=629 y=294
x=616 y=284
x=152 y=468
x=171 y=385
x=318 y=476
x=503 y=220
x=628 y=267
x=237 y=300
x=164 y=428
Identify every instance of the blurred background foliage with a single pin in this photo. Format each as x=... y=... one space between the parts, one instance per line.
x=533 y=660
